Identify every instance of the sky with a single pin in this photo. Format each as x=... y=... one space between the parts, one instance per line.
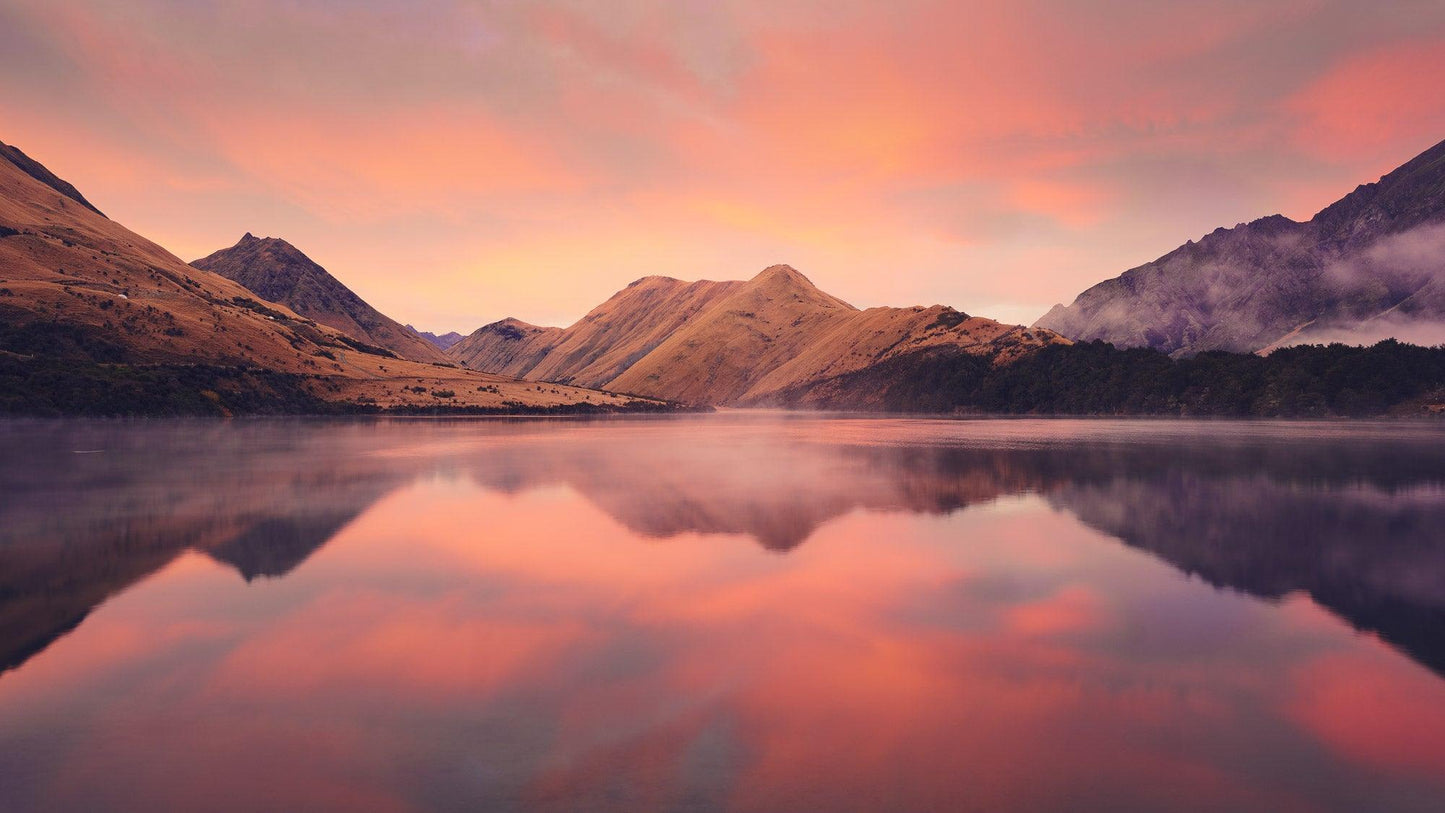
x=456 y=162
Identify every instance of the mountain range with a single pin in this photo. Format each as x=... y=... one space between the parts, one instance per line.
x=442 y=342
x=731 y=342
x=260 y=322
x=1367 y=267
x=89 y=308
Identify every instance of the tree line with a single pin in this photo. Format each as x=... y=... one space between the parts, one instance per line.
x=1097 y=378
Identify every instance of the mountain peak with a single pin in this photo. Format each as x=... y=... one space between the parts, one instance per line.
x=783 y=276
x=653 y=279
x=781 y=271
x=250 y=240
x=277 y=271
x=512 y=328
x=513 y=321
x=784 y=283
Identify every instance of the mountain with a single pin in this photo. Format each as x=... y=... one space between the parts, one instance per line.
x=602 y=344
x=756 y=328
x=1370 y=266
x=97 y=319
x=732 y=342
x=442 y=342
x=509 y=347
x=37 y=171
x=278 y=272
x=73 y=282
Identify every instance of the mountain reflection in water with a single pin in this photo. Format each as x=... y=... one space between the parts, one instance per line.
x=572 y=615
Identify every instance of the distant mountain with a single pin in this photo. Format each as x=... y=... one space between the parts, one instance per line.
x=733 y=342
x=278 y=272
x=1370 y=266
x=442 y=342
x=96 y=319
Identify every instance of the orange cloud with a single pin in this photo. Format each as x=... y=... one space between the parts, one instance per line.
x=1375 y=100
x=530 y=159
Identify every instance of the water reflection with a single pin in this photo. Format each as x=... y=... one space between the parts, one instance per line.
x=723 y=612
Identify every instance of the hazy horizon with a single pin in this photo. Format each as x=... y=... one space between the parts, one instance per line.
x=457 y=163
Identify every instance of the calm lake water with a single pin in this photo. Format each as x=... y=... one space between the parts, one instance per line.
x=727 y=612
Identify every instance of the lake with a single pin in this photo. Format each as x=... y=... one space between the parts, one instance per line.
x=740 y=611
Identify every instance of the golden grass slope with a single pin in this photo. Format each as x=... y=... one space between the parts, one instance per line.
x=627 y=327
x=718 y=357
x=602 y=344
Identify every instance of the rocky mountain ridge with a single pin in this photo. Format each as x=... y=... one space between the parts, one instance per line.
x=1367 y=267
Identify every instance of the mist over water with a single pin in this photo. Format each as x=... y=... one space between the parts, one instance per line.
x=741 y=611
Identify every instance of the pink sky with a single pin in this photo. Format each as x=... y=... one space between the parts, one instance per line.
x=458 y=162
